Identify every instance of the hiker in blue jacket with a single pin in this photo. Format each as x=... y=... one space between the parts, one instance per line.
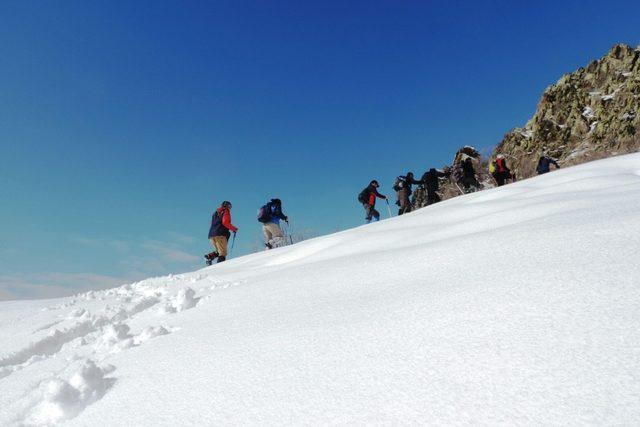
x=544 y=164
x=270 y=216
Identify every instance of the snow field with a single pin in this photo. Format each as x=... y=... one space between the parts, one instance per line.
x=516 y=305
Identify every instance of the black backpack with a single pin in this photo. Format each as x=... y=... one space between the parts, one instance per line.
x=264 y=214
x=363 y=197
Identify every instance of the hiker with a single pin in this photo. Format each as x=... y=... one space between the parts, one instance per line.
x=402 y=187
x=430 y=181
x=501 y=172
x=270 y=215
x=469 y=181
x=544 y=164
x=368 y=199
x=220 y=232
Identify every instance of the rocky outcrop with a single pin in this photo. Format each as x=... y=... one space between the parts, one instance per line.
x=453 y=184
x=591 y=113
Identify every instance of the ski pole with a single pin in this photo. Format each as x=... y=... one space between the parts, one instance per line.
x=388 y=207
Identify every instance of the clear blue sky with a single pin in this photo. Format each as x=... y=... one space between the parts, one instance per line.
x=124 y=124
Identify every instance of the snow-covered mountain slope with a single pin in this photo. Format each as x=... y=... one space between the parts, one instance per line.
x=515 y=305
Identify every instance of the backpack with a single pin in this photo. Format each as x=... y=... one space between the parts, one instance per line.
x=263 y=214
x=492 y=167
x=363 y=197
x=398 y=184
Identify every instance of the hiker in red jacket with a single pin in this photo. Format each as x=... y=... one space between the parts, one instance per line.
x=502 y=172
x=220 y=232
x=368 y=199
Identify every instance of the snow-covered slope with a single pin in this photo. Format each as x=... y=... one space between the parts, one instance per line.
x=515 y=305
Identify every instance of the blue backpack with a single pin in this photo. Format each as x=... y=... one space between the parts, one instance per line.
x=263 y=214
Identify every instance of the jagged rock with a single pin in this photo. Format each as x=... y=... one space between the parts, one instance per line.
x=591 y=113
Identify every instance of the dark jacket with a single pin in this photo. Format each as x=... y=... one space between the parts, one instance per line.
x=468 y=171
x=370 y=193
x=221 y=223
x=275 y=212
x=406 y=183
x=544 y=164
x=430 y=180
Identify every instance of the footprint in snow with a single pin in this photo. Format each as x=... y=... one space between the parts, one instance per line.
x=57 y=400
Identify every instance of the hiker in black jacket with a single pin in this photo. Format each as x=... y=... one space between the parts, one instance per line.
x=544 y=164
x=368 y=199
x=430 y=181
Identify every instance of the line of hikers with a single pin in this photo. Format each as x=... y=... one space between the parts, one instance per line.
x=221 y=228
x=271 y=213
x=464 y=174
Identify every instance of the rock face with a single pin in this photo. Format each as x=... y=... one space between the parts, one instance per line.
x=591 y=113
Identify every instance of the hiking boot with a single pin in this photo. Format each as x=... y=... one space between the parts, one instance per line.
x=210 y=257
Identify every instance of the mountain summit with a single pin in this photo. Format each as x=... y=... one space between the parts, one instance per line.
x=591 y=113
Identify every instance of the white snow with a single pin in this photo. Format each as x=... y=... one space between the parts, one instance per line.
x=515 y=305
x=588 y=113
x=527 y=133
x=610 y=96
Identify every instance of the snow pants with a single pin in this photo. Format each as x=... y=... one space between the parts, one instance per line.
x=502 y=177
x=272 y=233
x=470 y=183
x=403 y=201
x=432 y=197
x=370 y=212
x=220 y=244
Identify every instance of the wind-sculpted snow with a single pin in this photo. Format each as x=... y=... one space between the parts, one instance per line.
x=516 y=305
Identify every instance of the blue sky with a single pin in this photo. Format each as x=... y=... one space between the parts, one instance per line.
x=124 y=124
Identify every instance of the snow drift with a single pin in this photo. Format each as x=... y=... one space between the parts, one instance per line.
x=509 y=306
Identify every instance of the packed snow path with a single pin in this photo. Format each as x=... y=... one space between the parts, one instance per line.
x=517 y=305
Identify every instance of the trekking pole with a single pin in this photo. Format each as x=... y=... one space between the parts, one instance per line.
x=288 y=233
x=233 y=243
x=388 y=207
x=461 y=192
